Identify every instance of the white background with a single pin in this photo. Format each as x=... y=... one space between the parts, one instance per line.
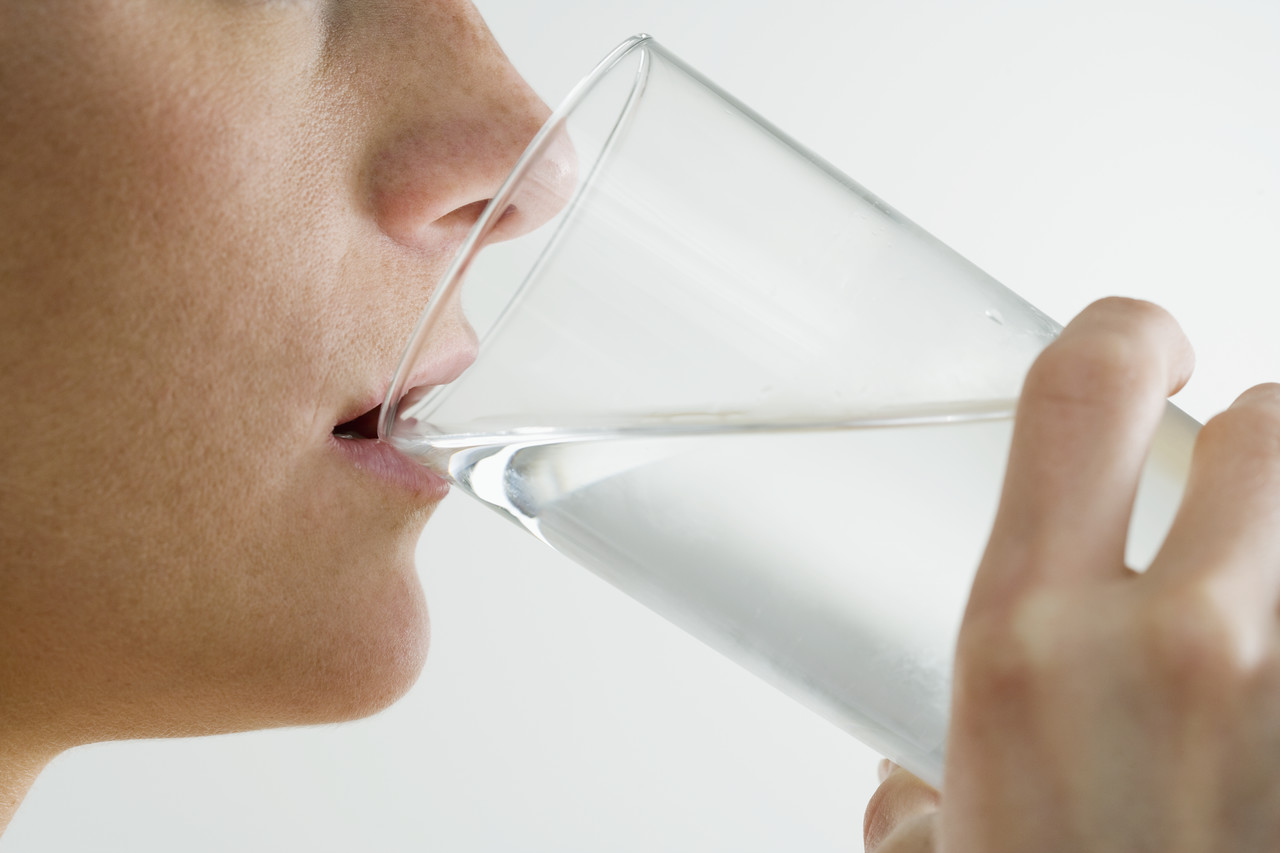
x=1071 y=150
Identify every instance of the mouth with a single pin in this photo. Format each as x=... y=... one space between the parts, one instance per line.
x=362 y=426
x=357 y=441
x=356 y=437
x=362 y=423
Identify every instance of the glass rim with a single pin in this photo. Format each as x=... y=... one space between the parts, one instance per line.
x=472 y=244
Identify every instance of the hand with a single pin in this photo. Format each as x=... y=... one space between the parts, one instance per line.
x=1095 y=709
x=900 y=817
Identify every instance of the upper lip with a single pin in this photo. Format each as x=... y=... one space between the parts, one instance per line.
x=361 y=419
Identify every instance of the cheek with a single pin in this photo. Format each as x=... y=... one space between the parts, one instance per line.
x=330 y=624
x=172 y=256
x=187 y=265
x=286 y=566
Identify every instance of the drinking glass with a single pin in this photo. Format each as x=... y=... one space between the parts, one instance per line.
x=732 y=382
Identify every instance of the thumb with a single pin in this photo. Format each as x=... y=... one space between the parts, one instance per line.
x=899 y=817
x=914 y=836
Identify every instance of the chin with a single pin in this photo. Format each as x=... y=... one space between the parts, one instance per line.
x=326 y=653
x=314 y=659
x=370 y=663
x=313 y=616
x=349 y=634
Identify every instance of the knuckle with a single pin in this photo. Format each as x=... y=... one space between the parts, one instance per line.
x=1115 y=348
x=1249 y=431
x=1266 y=393
x=1130 y=310
x=1183 y=643
x=1004 y=655
x=1188 y=640
x=1135 y=317
x=989 y=664
x=1092 y=370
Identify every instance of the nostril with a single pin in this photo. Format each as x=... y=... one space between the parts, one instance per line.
x=545 y=188
x=461 y=219
x=433 y=183
x=507 y=225
x=464 y=218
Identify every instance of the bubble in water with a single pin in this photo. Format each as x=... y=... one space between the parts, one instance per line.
x=995 y=316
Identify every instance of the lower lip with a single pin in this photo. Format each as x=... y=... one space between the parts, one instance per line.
x=391 y=466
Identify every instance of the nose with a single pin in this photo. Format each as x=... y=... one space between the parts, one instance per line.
x=458 y=116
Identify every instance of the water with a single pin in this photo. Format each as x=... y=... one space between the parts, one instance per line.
x=834 y=560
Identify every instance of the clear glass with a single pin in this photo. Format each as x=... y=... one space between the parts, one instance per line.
x=732 y=382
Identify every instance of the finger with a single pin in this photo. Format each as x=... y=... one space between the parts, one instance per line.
x=915 y=836
x=1229 y=520
x=1089 y=408
x=901 y=800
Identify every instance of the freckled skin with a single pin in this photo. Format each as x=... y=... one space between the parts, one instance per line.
x=219 y=220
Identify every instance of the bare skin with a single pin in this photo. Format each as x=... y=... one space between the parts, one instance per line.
x=1096 y=709
x=218 y=222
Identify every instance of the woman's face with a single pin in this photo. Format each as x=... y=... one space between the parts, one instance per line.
x=219 y=220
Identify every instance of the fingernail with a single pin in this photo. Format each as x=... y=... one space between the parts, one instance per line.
x=886 y=767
